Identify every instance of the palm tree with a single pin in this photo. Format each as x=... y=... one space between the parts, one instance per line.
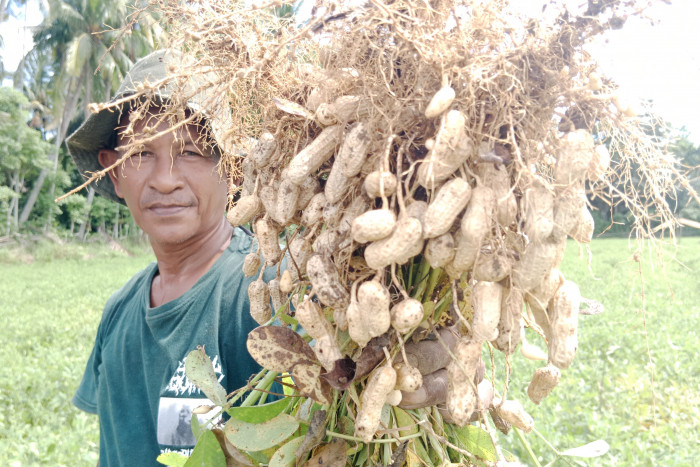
x=79 y=38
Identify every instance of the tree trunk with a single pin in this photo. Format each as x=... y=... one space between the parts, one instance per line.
x=115 y=227
x=66 y=116
x=82 y=232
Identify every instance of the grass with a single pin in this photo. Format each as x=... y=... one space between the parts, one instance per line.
x=634 y=382
x=51 y=300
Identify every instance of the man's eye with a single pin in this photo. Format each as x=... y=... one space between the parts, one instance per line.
x=191 y=154
x=143 y=154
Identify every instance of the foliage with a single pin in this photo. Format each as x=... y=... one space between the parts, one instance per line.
x=22 y=152
x=606 y=394
x=51 y=308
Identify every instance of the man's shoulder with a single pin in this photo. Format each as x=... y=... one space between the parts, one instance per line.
x=130 y=289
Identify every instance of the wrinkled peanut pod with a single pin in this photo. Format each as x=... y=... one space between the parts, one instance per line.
x=326 y=242
x=299 y=251
x=325 y=281
x=498 y=178
x=543 y=382
x=268 y=198
x=373 y=225
x=259 y=297
x=439 y=251
x=275 y=294
x=510 y=322
x=449 y=202
x=563 y=314
x=248 y=185
x=417 y=209
x=287 y=197
x=357 y=206
x=314 y=210
x=244 y=210
x=286 y=283
x=406 y=315
x=308 y=188
x=311 y=318
x=316 y=153
x=337 y=184
x=440 y=102
x=486 y=302
x=538 y=299
x=492 y=266
x=380 y=182
x=568 y=209
x=408 y=378
x=534 y=264
x=513 y=412
x=538 y=204
x=574 y=157
x=344 y=109
x=374 y=300
x=263 y=150
x=357 y=326
x=251 y=264
x=475 y=226
x=394 y=398
x=340 y=318
x=583 y=232
x=267 y=233
x=332 y=212
x=373 y=397
x=461 y=395
x=353 y=152
x=451 y=149
x=395 y=247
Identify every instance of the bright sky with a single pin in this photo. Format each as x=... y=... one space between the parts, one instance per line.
x=660 y=62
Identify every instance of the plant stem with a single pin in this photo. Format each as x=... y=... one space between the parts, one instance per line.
x=381 y=441
x=527 y=447
x=255 y=394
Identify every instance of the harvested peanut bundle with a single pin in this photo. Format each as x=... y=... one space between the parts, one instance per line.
x=414 y=186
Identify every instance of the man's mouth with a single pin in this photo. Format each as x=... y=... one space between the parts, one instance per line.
x=164 y=209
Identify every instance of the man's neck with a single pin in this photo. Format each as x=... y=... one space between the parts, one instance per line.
x=180 y=266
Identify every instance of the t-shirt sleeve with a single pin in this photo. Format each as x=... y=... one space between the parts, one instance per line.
x=85 y=398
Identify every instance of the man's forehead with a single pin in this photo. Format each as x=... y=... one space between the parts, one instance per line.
x=156 y=119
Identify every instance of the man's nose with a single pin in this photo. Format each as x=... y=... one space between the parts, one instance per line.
x=166 y=175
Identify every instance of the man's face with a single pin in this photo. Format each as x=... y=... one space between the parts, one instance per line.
x=172 y=186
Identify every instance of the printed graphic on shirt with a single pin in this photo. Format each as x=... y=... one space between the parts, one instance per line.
x=175 y=411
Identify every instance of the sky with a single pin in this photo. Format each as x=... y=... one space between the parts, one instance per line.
x=660 y=63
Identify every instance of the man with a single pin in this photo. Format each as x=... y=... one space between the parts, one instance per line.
x=193 y=295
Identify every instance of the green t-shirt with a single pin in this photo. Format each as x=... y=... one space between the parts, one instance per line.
x=135 y=377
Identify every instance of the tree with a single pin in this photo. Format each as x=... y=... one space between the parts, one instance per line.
x=85 y=62
x=22 y=153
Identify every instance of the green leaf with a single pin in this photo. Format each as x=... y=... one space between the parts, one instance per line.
x=259 y=413
x=196 y=427
x=596 y=448
x=477 y=441
x=256 y=437
x=207 y=452
x=285 y=455
x=173 y=459
x=200 y=371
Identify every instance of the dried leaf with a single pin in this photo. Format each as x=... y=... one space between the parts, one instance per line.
x=200 y=371
x=342 y=375
x=307 y=377
x=399 y=456
x=329 y=455
x=292 y=108
x=596 y=448
x=316 y=433
x=371 y=355
x=278 y=348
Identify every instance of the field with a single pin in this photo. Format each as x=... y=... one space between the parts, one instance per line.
x=633 y=384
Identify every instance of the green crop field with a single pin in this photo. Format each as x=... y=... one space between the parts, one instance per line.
x=634 y=383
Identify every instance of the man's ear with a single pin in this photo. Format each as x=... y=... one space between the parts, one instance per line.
x=106 y=158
